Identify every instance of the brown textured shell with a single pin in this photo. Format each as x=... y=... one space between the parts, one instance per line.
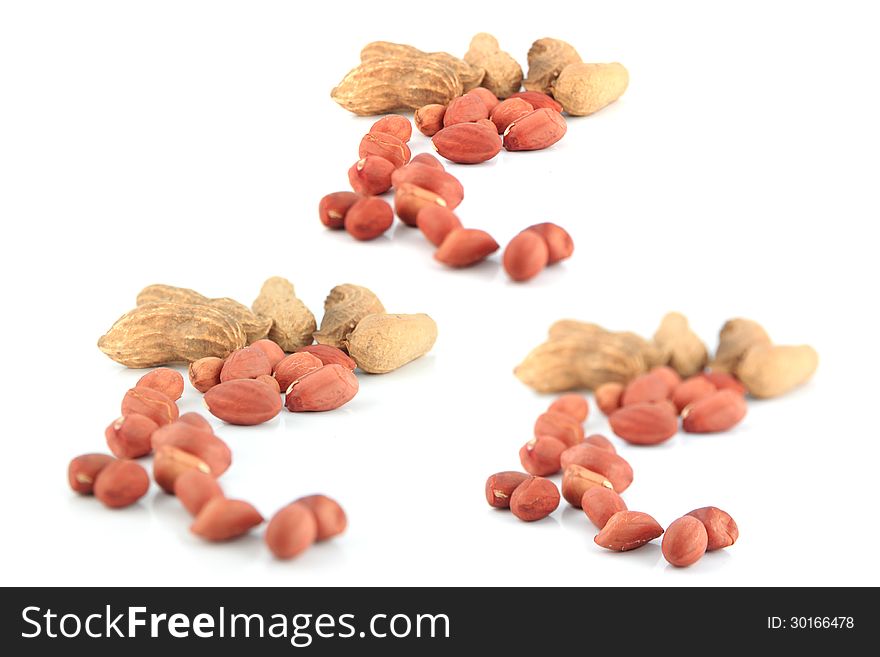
x=736 y=338
x=292 y=322
x=469 y=75
x=158 y=333
x=255 y=327
x=586 y=88
x=579 y=355
x=344 y=307
x=503 y=73
x=682 y=349
x=381 y=343
x=547 y=57
x=378 y=86
x=773 y=370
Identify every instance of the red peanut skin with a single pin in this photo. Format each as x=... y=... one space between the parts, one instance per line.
x=464 y=247
x=608 y=397
x=600 y=441
x=291 y=531
x=329 y=355
x=645 y=423
x=561 y=426
x=273 y=352
x=371 y=175
x=719 y=411
x=489 y=99
x=500 y=486
x=84 y=469
x=691 y=390
x=199 y=442
x=534 y=499
x=525 y=256
x=411 y=199
x=325 y=389
x=246 y=363
x=645 y=388
x=243 y=402
x=725 y=381
x=434 y=180
x=429 y=119
x=121 y=483
x=538 y=100
x=195 y=489
x=535 y=131
x=129 y=437
x=428 y=160
x=154 y=404
x=436 y=223
x=330 y=516
x=369 y=218
x=540 y=456
x=509 y=111
x=668 y=374
x=165 y=380
x=222 y=519
x=204 y=373
x=384 y=145
x=333 y=208
x=465 y=109
x=611 y=466
x=466 y=143
x=296 y=366
x=559 y=243
x=394 y=124
x=572 y=404
x=196 y=420
x=684 y=542
x=628 y=530
x=720 y=526
x=600 y=503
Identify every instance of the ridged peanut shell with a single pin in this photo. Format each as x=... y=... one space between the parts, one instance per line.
x=547 y=57
x=682 y=349
x=344 y=307
x=470 y=75
x=583 y=89
x=382 y=342
x=737 y=336
x=770 y=371
x=255 y=327
x=292 y=322
x=159 y=333
x=379 y=86
x=503 y=74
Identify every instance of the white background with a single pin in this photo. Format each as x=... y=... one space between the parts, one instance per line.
x=189 y=143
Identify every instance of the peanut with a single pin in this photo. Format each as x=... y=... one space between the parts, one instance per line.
x=197 y=441
x=645 y=423
x=464 y=247
x=344 y=307
x=534 y=499
x=503 y=75
x=270 y=381
x=525 y=256
x=411 y=199
x=736 y=338
x=292 y=322
x=628 y=530
x=574 y=405
x=535 y=131
x=719 y=411
x=128 y=437
x=247 y=363
x=329 y=355
x=684 y=542
x=489 y=99
x=158 y=333
x=469 y=75
x=329 y=514
x=547 y=57
x=272 y=351
x=429 y=119
x=83 y=470
x=725 y=381
x=583 y=89
x=500 y=486
x=681 y=347
x=294 y=367
x=204 y=373
x=600 y=441
x=436 y=223
x=769 y=371
x=165 y=380
x=561 y=426
x=538 y=100
x=291 y=531
x=608 y=464
x=540 y=456
x=721 y=529
x=333 y=208
x=428 y=160
x=608 y=397
x=600 y=503
x=690 y=390
x=466 y=143
x=576 y=480
x=243 y=401
x=222 y=519
x=559 y=243
x=152 y=403
x=394 y=124
x=385 y=146
x=465 y=109
x=508 y=111
x=369 y=218
x=434 y=180
x=121 y=483
x=195 y=489
x=371 y=175
x=324 y=389
x=382 y=342
x=170 y=462
x=648 y=387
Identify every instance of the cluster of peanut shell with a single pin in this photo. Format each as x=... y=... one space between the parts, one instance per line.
x=395 y=76
x=580 y=355
x=188 y=458
x=178 y=325
x=594 y=477
x=425 y=196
